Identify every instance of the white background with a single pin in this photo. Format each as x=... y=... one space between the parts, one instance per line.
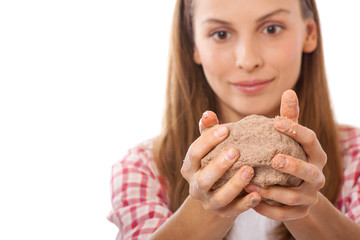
x=81 y=82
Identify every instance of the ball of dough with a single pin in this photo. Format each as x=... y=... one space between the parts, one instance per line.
x=258 y=142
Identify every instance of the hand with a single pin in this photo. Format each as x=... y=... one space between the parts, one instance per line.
x=224 y=200
x=296 y=201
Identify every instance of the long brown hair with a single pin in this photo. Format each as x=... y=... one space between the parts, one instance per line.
x=189 y=95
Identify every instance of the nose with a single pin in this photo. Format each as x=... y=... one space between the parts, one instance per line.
x=248 y=55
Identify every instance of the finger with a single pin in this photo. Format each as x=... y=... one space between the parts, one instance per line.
x=240 y=205
x=208 y=119
x=284 y=195
x=289 y=105
x=224 y=195
x=304 y=136
x=298 y=168
x=216 y=168
x=281 y=213
x=200 y=147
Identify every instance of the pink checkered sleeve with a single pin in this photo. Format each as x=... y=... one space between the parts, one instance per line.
x=349 y=197
x=139 y=199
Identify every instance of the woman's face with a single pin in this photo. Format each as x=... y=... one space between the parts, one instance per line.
x=251 y=52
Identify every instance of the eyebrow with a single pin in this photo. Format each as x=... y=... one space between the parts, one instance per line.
x=214 y=20
x=281 y=10
x=278 y=11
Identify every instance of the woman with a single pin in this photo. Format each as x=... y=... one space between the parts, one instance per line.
x=235 y=58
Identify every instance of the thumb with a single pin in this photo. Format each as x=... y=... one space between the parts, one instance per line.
x=208 y=120
x=289 y=105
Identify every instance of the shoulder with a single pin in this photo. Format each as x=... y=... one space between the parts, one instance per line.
x=350 y=150
x=349 y=138
x=136 y=176
x=138 y=194
x=139 y=157
x=349 y=196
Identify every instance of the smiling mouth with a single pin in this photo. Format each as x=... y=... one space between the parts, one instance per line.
x=252 y=86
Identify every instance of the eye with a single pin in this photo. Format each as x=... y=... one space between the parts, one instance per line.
x=221 y=35
x=272 y=29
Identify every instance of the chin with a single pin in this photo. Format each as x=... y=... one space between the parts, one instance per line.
x=235 y=112
x=262 y=112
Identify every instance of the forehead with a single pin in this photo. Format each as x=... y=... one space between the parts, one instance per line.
x=249 y=9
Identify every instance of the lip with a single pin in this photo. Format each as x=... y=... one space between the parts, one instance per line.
x=252 y=86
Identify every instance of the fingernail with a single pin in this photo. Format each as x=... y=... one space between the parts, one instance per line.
x=282 y=124
x=253 y=202
x=230 y=155
x=205 y=114
x=279 y=162
x=221 y=131
x=247 y=173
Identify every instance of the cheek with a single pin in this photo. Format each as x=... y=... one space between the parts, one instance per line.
x=216 y=64
x=288 y=60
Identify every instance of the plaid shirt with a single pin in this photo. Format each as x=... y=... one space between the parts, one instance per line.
x=348 y=200
x=140 y=203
